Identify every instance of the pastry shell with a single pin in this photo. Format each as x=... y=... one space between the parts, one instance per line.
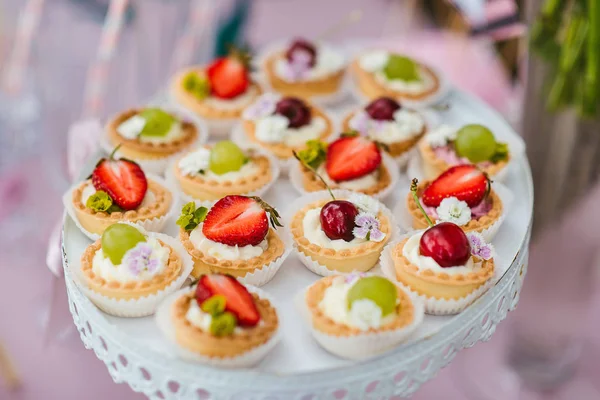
x=281 y=150
x=205 y=264
x=361 y=258
x=395 y=149
x=204 y=108
x=369 y=86
x=201 y=188
x=480 y=224
x=96 y=222
x=434 y=166
x=132 y=289
x=196 y=340
x=439 y=285
x=304 y=89
x=312 y=183
x=137 y=149
x=315 y=293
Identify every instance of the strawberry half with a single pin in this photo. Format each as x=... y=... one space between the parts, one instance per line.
x=123 y=180
x=352 y=157
x=465 y=182
x=239 y=221
x=229 y=76
x=237 y=298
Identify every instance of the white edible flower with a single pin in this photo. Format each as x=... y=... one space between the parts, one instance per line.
x=272 y=129
x=410 y=120
x=263 y=106
x=440 y=136
x=374 y=60
x=195 y=161
x=365 y=314
x=365 y=203
x=453 y=210
x=131 y=127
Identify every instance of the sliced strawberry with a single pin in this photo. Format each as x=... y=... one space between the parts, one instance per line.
x=123 y=180
x=465 y=182
x=351 y=158
x=228 y=76
x=236 y=221
x=237 y=298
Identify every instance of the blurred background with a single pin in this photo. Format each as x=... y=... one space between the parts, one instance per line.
x=534 y=61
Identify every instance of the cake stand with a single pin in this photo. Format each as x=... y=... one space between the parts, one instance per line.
x=298 y=369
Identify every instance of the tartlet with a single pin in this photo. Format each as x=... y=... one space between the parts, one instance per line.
x=220 y=241
x=380 y=73
x=305 y=70
x=253 y=173
x=439 y=152
x=282 y=125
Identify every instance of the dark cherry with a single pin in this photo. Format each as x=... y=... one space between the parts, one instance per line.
x=337 y=219
x=304 y=46
x=295 y=110
x=446 y=243
x=382 y=109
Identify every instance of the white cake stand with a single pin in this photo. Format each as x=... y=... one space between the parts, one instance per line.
x=135 y=353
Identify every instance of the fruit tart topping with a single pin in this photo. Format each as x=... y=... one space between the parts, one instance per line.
x=314 y=154
x=264 y=106
x=101 y=202
x=479 y=247
x=191 y=216
x=158 y=122
x=465 y=182
x=123 y=180
x=337 y=220
x=472 y=142
x=214 y=305
x=239 y=221
x=196 y=84
x=453 y=210
x=238 y=301
x=229 y=76
x=352 y=157
x=401 y=68
x=447 y=244
x=225 y=157
x=295 y=110
x=302 y=51
x=223 y=324
x=382 y=109
x=376 y=289
x=118 y=239
x=367 y=227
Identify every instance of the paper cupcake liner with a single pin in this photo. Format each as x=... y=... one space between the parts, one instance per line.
x=435 y=98
x=159 y=165
x=405 y=218
x=301 y=202
x=262 y=276
x=151 y=225
x=247 y=359
x=186 y=198
x=432 y=305
x=143 y=306
x=296 y=176
x=362 y=346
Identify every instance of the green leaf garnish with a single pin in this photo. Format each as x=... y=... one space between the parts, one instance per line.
x=214 y=305
x=196 y=85
x=191 y=216
x=99 y=201
x=314 y=154
x=501 y=153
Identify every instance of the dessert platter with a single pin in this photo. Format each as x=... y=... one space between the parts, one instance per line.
x=238 y=239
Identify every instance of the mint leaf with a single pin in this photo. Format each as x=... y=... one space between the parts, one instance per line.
x=314 y=154
x=191 y=216
x=501 y=153
x=200 y=214
x=99 y=201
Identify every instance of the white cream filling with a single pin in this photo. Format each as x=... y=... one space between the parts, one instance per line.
x=199 y=160
x=222 y=251
x=405 y=125
x=274 y=129
x=328 y=61
x=132 y=127
x=104 y=268
x=364 y=314
x=413 y=255
x=239 y=102
x=313 y=232
x=89 y=190
x=362 y=183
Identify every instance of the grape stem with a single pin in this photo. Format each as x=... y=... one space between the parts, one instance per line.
x=314 y=172
x=413 y=190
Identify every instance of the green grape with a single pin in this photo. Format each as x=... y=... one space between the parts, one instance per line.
x=402 y=68
x=226 y=157
x=377 y=289
x=214 y=305
x=117 y=239
x=223 y=324
x=158 y=122
x=475 y=142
